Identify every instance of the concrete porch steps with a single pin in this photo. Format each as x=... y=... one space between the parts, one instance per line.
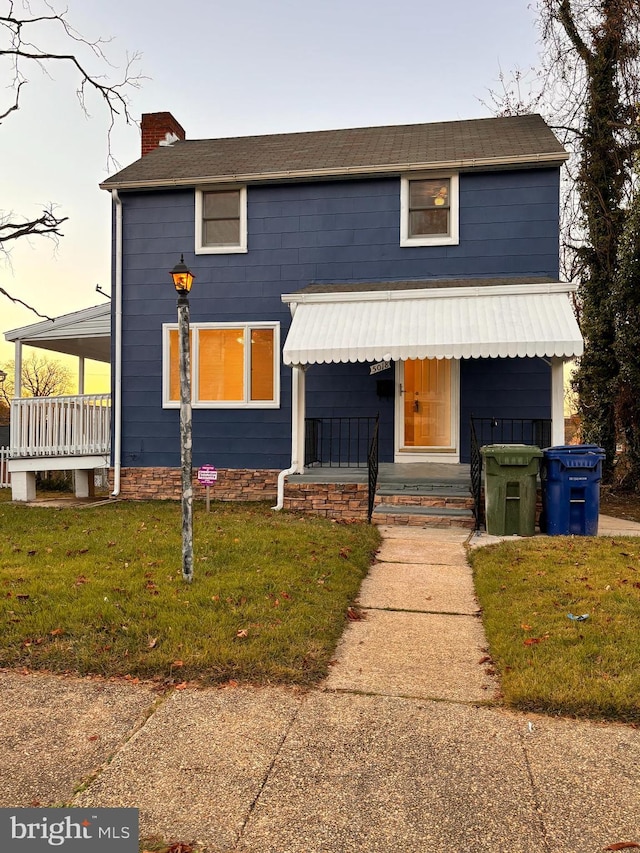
x=426 y=490
x=422 y=516
x=425 y=505
x=417 y=494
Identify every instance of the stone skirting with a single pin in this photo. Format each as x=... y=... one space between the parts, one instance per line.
x=144 y=484
x=340 y=501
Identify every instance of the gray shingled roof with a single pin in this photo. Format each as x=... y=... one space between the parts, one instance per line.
x=423 y=284
x=359 y=151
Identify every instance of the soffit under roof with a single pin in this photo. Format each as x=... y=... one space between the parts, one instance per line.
x=86 y=334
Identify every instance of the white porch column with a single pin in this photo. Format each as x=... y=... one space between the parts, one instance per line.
x=298 y=411
x=17 y=382
x=80 y=375
x=557 y=401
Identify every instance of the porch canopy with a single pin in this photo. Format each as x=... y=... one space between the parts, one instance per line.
x=467 y=318
x=85 y=334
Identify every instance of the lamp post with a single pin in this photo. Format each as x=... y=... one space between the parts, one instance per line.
x=182 y=280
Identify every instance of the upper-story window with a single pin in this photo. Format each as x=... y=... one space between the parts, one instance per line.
x=429 y=210
x=221 y=220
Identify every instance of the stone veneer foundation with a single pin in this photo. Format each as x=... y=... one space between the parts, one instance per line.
x=143 y=484
x=339 y=501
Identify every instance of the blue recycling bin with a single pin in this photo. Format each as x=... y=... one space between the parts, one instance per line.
x=570 y=477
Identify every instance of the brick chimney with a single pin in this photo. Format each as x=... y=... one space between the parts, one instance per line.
x=155 y=127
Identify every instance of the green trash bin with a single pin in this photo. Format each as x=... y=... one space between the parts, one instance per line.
x=510 y=487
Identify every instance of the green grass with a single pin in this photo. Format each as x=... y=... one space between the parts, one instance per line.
x=546 y=661
x=100 y=590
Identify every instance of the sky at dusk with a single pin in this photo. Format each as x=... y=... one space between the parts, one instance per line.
x=228 y=69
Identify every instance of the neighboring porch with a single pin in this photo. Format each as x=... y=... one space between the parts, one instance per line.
x=71 y=433
x=65 y=433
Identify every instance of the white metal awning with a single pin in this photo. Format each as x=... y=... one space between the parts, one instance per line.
x=462 y=322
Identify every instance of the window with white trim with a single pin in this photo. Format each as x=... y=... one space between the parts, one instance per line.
x=233 y=365
x=429 y=210
x=221 y=220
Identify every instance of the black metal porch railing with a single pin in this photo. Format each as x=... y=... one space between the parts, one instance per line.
x=535 y=432
x=372 y=464
x=338 y=442
x=476 y=477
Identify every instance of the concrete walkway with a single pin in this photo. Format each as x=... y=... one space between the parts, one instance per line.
x=401 y=750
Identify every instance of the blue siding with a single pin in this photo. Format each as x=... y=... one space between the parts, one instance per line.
x=316 y=232
x=502 y=388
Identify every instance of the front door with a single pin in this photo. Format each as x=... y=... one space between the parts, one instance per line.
x=427 y=426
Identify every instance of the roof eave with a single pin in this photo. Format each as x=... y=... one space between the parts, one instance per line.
x=551 y=158
x=429 y=293
x=64 y=321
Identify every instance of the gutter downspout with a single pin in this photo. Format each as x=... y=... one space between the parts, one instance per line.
x=117 y=379
x=297 y=404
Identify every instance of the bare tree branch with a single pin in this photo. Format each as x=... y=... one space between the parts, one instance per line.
x=564 y=15
x=35 y=34
x=46 y=225
x=41 y=376
x=20 y=44
x=26 y=305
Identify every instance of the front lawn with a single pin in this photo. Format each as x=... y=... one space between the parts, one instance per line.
x=548 y=662
x=100 y=590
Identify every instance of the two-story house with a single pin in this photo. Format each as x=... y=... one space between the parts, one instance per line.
x=406 y=272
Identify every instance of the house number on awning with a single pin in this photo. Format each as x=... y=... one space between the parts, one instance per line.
x=379 y=367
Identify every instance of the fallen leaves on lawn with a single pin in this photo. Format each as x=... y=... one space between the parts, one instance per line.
x=355 y=614
x=622 y=845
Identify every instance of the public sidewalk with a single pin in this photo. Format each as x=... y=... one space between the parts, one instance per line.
x=401 y=750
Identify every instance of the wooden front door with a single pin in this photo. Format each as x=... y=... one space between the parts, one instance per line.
x=428 y=405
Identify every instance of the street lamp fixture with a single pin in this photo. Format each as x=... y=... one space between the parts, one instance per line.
x=182 y=280
x=3 y=376
x=182 y=277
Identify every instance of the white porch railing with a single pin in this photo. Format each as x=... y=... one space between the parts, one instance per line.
x=60 y=426
x=5 y=480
